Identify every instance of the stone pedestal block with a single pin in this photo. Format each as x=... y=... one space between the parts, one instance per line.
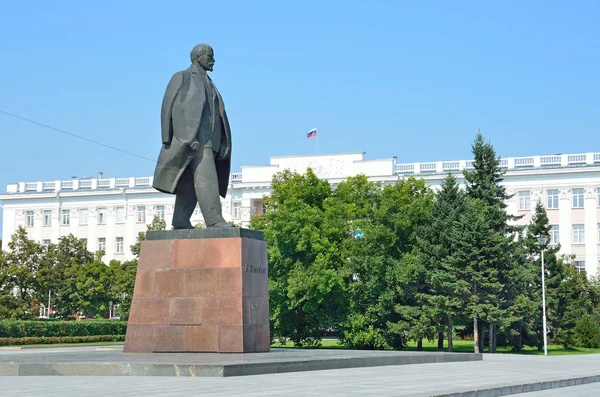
x=200 y=291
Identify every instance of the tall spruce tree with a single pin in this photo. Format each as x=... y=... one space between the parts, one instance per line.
x=473 y=276
x=436 y=248
x=523 y=288
x=484 y=181
x=484 y=185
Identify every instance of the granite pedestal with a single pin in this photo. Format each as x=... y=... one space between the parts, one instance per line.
x=200 y=290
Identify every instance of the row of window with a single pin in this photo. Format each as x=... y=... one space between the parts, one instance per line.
x=577 y=197
x=101 y=244
x=120 y=215
x=578 y=234
x=101 y=216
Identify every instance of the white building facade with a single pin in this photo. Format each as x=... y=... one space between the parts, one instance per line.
x=109 y=213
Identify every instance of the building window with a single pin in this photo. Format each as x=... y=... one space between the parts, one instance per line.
x=598 y=195
x=160 y=211
x=578 y=234
x=237 y=210
x=83 y=241
x=101 y=244
x=120 y=215
x=524 y=200
x=102 y=216
x=47 y=217
x=141 y=213
x=554 y=235
x=552 y=198
x=258 y=207
x=45 y=242
x=577 y=198
x=29 y=216
x=83 y=216
x=580 y=266
x=66 y=217
x=119 y=245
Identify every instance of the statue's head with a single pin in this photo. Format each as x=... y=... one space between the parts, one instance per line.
x=203 y=57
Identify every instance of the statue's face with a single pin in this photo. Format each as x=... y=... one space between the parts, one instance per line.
x=207 y=60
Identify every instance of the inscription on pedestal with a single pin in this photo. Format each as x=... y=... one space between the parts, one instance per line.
x=255 y=269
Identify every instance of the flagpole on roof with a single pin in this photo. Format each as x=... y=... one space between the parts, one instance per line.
x=313 y=133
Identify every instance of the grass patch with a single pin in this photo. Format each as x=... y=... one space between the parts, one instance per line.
x=460 y=346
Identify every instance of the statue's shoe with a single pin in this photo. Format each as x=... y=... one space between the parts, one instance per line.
x=221 y=224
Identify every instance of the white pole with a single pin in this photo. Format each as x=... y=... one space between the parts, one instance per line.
x=544 y=306
x=49 y=291
x=317 y=143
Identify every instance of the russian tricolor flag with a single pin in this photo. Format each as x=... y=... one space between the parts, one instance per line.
x=311 y=133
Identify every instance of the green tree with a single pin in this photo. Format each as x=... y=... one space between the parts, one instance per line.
x=58 y=274
x=11 y=306
x=475 y=278
x=122 y=281
x=92 y=283
x=484 y=184
x=435 y=249
x=19 y=269
x=385 y=282
x=569 y=297
x=527 y=283
x=305 y=287
x=587 y=332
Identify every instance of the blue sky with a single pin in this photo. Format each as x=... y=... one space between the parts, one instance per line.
x=391 y=78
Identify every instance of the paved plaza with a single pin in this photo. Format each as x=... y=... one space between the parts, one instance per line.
x=495 y=375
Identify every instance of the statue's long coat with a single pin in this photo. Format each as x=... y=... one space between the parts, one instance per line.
x=184 y=105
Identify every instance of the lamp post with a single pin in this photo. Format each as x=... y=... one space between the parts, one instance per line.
x=542 y=241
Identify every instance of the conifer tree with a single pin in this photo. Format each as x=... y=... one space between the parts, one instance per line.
x=484 y=185
x=569 y=296
x=484 y=181
x=523 y=289
x=475 y=281
x=435 y=248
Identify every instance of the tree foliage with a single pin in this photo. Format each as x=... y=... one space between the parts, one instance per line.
x=436 y=248
x=77 y=281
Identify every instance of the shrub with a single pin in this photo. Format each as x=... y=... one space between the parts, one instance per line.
x=587 y=332
x=25 y=329
x=38 y=340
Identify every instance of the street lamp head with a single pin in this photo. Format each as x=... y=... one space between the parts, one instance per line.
x=542 y=240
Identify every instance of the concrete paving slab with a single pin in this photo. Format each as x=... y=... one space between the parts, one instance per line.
x=86 y=361
x=495 y=375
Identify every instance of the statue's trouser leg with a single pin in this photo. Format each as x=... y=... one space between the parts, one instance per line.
x=207 y=188
x=185 y=201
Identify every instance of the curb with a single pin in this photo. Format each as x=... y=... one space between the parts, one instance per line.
x=524 y=388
